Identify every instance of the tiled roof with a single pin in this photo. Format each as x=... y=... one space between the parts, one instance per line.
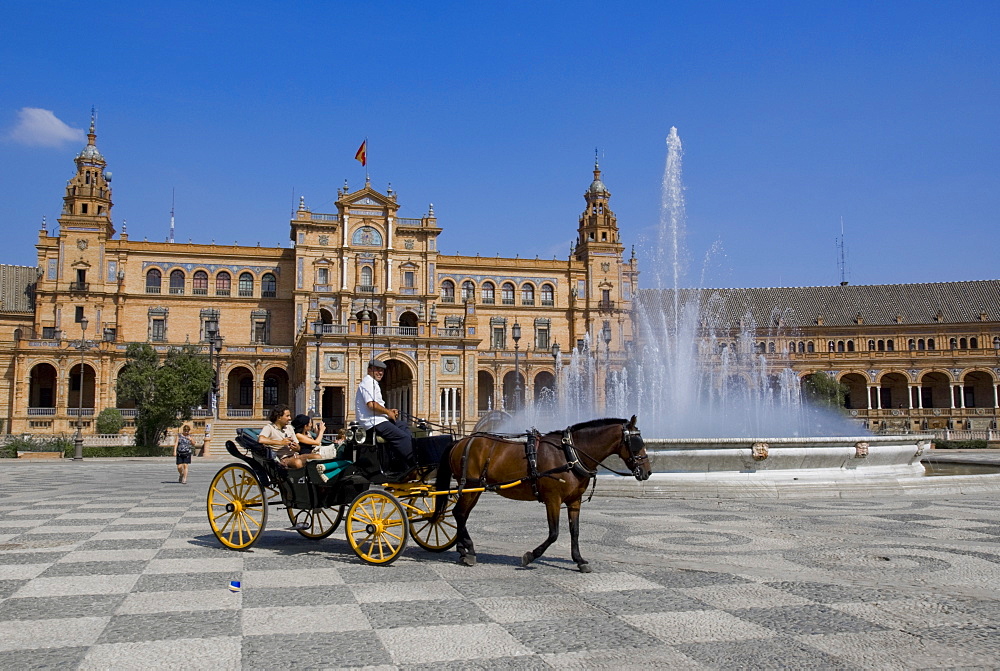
x=17 y=288
x=877 y=304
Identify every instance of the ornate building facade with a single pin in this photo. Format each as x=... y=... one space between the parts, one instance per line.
x=460 y=335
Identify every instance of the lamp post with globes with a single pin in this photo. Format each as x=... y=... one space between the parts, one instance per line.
x=214 y=361
x=318 y=332
x=515 y=333
x=606 y=336
x=83 y=346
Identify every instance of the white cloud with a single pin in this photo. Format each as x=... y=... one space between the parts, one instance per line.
x=41 y=128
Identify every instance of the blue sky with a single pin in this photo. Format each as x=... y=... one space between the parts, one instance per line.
x=793 y=115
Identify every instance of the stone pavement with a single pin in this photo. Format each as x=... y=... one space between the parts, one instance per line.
x=112 y=565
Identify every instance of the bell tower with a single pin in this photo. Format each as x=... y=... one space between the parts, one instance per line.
x=87 y=203
x=598 y=229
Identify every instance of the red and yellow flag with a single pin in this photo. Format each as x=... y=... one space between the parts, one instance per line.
x=362 y=154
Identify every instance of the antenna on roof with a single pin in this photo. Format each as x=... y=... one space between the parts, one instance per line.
x=841 y=256
x=172 y=194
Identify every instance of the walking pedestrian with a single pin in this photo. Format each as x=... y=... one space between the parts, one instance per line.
x=183 y=447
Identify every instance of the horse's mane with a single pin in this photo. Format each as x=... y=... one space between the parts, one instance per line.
x=596 y=423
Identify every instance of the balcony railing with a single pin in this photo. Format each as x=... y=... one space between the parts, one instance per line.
x=527 y=301
x=246 y=293
x=238 y=412
x=447 y=299
x=489 y=300
x=605 y=305
x=364 y=289
x=177 y=291
x=334 y=329
x=41 y=412
x=128 y=412
x=507 y=301
x=547 y=302
x=79 y=286
x=82 y=412
x=452 y=332
x=222 y=292
x=152 y=289
x=200 y=291
x=268 y=294
x=395 y=330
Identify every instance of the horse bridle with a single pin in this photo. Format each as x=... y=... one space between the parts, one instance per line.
x=634 y=460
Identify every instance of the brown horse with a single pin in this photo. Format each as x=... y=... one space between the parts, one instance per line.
x=554 y=468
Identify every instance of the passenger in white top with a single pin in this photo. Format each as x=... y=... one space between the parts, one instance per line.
x=371 y=413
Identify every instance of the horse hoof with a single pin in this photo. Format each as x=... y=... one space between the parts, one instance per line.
x=468 y=560
x=527 y=558
x=585 y=568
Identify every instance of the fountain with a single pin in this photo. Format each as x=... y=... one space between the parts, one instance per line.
x=711 y=406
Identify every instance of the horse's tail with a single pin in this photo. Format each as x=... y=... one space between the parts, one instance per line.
x=443 y=481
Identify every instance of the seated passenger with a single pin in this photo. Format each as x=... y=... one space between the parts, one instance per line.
x=278 y=435
x=310 y=433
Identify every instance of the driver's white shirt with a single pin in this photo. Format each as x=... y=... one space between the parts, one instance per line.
x=369 y=390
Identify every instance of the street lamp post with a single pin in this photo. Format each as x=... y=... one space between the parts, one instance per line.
x=78 y=438
x=555 y=379
x=606 y=336
x=214 y=361
x=515 y=333
x=318 y=332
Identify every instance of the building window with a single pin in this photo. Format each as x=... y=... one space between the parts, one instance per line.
x=153 y=281
x=322 y=276
x=246 y=391
x=367 y=276
x=912 y=344
x=158 y=330
x=507 y=294
x=260 y=327
x=468 y=291
x=246 y=285
x=409 y=278
x=802 y=348
x=930 y=343
x=527 y=295
x=850 y=345
x=890 y=345
x=542 y=342
x=48 y=332
x=177 y=281
x=270 y=392
x=209 y=324
x=78 y=314
x=499 y=339
x=548 y=295
x=447 y=291
x=974 y=343
x=199 y=283
x=488 y=293
x=810 y=347
x=268 y=286
x=223 y=284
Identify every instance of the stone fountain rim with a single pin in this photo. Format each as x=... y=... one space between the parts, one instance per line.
x=911 y=438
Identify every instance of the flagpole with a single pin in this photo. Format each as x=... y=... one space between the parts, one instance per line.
x=367 y=177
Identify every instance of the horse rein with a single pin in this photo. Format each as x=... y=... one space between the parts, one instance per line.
x=627 y=436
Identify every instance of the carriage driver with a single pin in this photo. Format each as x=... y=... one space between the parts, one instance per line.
x=371 y=413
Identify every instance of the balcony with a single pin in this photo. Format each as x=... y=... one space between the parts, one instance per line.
x=364 y=289
x=447 y=299
x=219 y=292
x=79 y=286
x=606 y=305
x=528 y=301
x=82 y=412
x=200 y=291
x=238 y=412
x=452 y=332
x=489 y=300
x=334 y=329
x=246 y=293
x=548 y=303
x=177 y=291
x=507 y=301
x=152 y=289
x=395 y=331
x=41 y=412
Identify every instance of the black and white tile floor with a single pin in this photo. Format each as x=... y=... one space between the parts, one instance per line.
x=112 y=565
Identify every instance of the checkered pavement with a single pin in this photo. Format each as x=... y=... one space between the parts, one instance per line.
x=112 y=565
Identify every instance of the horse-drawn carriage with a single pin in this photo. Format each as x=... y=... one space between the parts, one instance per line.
x=381 y=509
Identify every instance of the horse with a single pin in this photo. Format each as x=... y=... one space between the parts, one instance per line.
x=555 y=468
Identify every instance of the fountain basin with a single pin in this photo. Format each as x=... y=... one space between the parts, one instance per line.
x=847 y=467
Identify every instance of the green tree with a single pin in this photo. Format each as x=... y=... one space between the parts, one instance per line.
x=823 y=390
x=110 y=421
x=163 y=393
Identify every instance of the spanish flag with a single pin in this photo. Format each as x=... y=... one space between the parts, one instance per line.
x=362 y=155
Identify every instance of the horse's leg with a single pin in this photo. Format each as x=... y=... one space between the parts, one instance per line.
x=552 y=505
x=573 y=512
x=466 y=550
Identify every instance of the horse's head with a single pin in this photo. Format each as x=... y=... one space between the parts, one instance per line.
x=633 y=451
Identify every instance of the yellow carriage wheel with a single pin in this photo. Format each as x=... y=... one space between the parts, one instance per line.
x=322 y=521
x=237 y=507
x=430 y=534
x=377 y=527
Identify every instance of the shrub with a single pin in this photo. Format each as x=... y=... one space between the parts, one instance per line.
x=110 y=421
x=960 y=444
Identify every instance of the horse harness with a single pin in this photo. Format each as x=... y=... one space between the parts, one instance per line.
x=532 y=438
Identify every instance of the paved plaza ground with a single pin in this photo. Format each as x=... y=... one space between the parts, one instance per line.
x=111 y=564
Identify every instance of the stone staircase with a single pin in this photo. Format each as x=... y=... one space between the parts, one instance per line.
x=225 y=429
